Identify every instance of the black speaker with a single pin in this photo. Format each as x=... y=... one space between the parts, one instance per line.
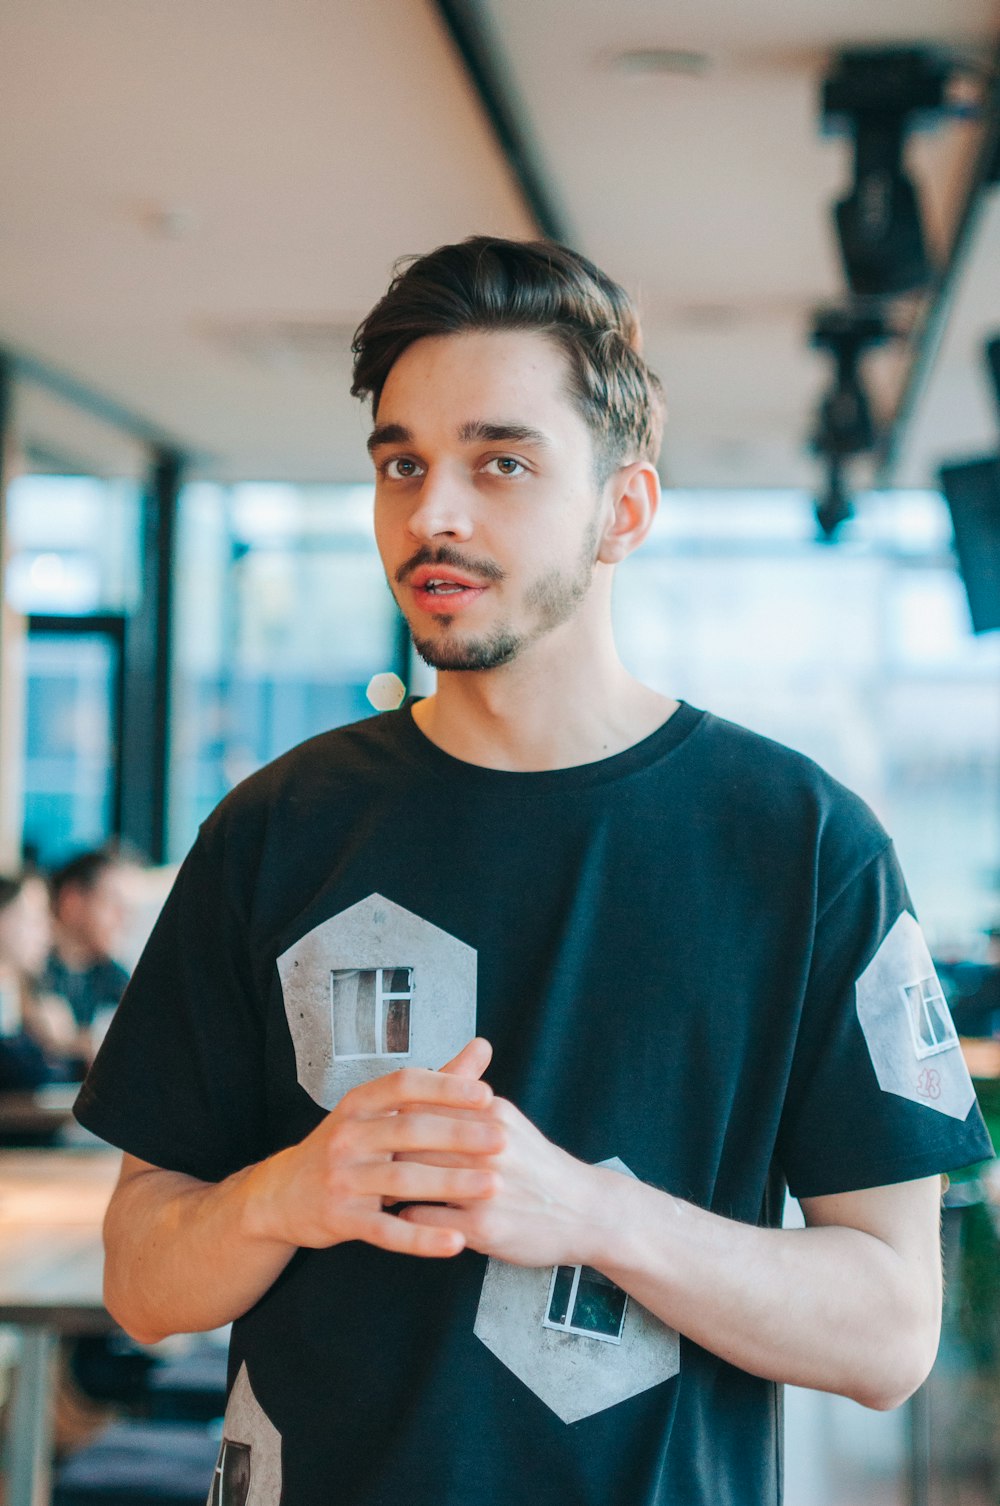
x=972 y=491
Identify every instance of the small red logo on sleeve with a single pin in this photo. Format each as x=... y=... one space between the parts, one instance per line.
x=929 y=1083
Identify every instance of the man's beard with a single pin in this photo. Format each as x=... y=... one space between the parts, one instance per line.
x=554 y=598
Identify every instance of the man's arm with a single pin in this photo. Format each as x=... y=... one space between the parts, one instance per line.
x=849 y=1304
x=184 y=1255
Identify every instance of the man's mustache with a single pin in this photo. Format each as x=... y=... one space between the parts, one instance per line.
x=443 y=555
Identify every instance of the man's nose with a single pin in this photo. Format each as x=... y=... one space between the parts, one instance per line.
x=443 y=507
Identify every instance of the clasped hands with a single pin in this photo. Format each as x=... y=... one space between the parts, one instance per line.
x=469 y=1169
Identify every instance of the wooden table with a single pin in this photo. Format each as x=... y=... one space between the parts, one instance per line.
x=43 y=1112
x=52 y=1204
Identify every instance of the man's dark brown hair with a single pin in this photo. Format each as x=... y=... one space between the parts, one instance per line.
x=485 y=283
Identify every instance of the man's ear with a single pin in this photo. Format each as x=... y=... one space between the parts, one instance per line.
x=634 y=494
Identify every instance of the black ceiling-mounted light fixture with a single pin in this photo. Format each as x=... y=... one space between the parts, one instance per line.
x=844 y=424
x=833 y=502
x=878 y=95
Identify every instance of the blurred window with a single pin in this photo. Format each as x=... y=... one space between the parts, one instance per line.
x=71 y=760
x=73 y=571
x=74 y=545
x=282 y=617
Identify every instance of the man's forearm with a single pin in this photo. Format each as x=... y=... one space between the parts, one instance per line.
x=185 y=1255
x=831 y=1308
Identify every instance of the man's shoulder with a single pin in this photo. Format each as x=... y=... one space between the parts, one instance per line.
x=365 y=751
x=788 y=797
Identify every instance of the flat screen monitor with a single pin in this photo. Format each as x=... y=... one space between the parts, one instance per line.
x=972 y=491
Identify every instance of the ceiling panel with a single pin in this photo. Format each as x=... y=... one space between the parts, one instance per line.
x=175 y=173
x=201 y=200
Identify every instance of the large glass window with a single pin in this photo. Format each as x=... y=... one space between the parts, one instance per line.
x=282 y=617
x=74 y=545
x=73 y=674
x=73 y=571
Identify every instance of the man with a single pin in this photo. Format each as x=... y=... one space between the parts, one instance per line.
x=688 y=952
x=90 y=911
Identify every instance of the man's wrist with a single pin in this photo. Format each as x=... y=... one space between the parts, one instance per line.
x=256 y=1189
x=608 y=1214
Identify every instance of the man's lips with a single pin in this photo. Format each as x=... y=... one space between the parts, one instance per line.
x=426 y=574
x=443 y=591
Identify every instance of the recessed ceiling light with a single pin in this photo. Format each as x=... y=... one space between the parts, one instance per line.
x=639 y=61
x=169 y=222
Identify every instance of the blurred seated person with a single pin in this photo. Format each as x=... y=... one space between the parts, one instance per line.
x=91 y=905
x=975 y=1004
x=39 y=1040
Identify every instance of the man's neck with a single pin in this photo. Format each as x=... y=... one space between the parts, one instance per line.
x=534 y=715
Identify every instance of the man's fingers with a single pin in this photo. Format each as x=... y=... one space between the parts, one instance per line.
x=390 y=1233
x=419 y=1085
x=472 y=1060
x=426 y=1216
x=437 y=1158
x=428 y=1132
x=396 y=1182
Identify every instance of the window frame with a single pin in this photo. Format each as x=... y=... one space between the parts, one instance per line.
x=381 y=998
x=936 y=994
x=569 y=1327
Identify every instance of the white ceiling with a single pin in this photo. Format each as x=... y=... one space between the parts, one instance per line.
x=203 y=197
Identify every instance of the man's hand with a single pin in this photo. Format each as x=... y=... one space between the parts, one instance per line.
x=542 y=1207
x=411 y=1136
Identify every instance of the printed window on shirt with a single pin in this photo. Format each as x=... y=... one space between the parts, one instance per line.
x=927 y=1012
x=231 y=1481
x=583 y=1302
x=371 y=1011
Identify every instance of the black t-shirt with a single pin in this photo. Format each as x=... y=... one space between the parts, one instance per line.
x=695 y=960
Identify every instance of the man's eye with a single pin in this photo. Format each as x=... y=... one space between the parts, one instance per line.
x=506 y=465
x=400 y=468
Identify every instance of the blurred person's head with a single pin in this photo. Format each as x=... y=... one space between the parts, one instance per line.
x=25 y=924
x=91 y=905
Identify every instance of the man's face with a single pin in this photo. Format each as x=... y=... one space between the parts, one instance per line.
x=97 y=917
x=487 y=513
x=25 y=928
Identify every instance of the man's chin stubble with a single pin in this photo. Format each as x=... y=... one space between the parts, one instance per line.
x=479 y=653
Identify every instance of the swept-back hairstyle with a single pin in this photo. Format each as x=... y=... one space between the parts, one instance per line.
x=485 y=283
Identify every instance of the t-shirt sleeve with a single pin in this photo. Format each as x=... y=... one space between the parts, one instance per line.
x=878 y=1091
x=179 y=1078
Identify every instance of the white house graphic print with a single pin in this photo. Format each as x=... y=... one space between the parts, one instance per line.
x=372 y=989
x=248 y=1469
x=908 y=1027
x=571 y=1336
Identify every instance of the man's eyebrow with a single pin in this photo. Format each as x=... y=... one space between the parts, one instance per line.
x=494 y=433
x=476 y=430
x=388 y=434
